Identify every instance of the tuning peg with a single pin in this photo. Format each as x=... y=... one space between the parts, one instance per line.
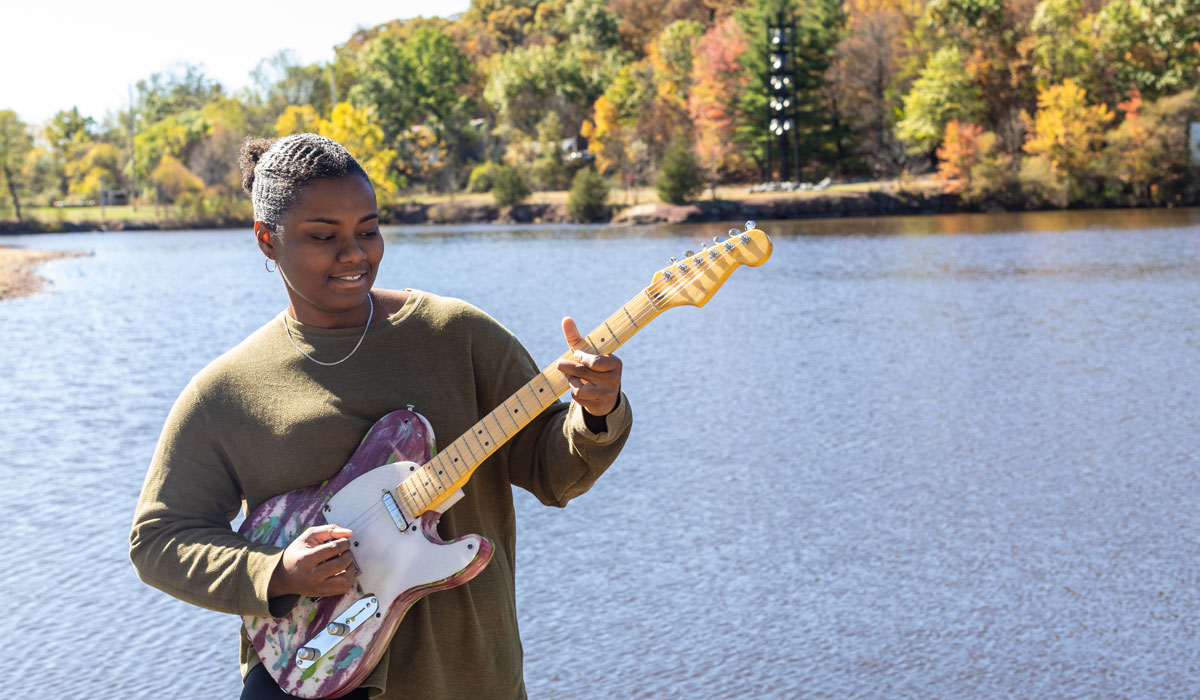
x=672 y=260
x=751 y=224
x=716 y=239
x=733 y=232
x=688 y=253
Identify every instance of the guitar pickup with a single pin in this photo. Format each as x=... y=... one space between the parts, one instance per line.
x=393 y=509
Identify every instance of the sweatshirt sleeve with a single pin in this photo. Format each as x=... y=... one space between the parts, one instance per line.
x=181 y=541
x=556 y=457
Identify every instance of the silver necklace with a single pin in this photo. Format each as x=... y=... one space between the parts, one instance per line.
x=370 y=315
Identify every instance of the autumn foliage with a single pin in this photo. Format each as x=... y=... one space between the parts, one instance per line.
x=959 y=154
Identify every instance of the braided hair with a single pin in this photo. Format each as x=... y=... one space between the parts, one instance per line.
x=274 y=170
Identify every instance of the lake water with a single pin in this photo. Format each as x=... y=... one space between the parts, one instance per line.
x=928 y=457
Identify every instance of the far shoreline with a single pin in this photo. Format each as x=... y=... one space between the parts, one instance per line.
x=552 y=209
x=480 y=210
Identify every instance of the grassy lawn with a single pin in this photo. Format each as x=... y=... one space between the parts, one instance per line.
x=114 y=213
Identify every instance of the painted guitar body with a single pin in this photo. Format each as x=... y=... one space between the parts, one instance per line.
x=396 y=567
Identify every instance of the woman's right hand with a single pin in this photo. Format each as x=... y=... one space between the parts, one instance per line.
x=317 y=563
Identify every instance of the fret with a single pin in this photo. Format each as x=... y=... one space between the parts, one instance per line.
x=542 y=390
x=443 y=479
x=494 y=428
x=423 y=484
x=477 y=433
x=614 y=339
x=524 y=404
x=557 y=381
x=458 y=459
x=410 y=497
x=489 y=445
x=406 y=500
x=464 y=444
x=512 y=414
x=627 y=314
x=437 y=472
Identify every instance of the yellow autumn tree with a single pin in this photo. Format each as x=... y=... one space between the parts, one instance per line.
x=297 y=119
x=607 y=137
x=422 y=155
x=356 y=129
x=98 y=169
x=1067 y=131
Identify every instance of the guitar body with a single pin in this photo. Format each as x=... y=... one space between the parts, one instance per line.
x=396 y=567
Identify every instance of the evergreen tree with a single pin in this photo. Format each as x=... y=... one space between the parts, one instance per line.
x=589 y=195
x=817 y=28
x=679 y=179
x=509 y=186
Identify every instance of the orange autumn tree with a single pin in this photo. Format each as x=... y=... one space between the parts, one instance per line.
x=1134 y=152
x=716 y=82
x=964 y=146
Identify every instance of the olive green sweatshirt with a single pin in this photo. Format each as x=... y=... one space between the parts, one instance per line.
x=262 y=420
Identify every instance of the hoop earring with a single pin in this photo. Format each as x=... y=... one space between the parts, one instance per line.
x=267 y=264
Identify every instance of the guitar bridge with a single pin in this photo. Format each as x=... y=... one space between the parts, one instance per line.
x=337 y=630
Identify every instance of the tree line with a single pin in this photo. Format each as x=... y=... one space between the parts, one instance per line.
x=1011 y=103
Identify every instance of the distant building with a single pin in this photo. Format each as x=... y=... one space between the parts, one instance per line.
x=575 y=149
x=115 y=197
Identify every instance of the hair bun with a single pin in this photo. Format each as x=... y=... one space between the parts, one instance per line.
x=252 y=150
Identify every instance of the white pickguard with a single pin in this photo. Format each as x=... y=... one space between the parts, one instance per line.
x=390 y=561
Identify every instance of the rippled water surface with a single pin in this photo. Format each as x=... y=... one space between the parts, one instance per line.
x=937 y=457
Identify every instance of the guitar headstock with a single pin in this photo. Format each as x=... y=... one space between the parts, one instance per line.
x=693 y=279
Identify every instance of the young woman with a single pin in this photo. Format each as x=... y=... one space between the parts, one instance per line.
x=286 y=408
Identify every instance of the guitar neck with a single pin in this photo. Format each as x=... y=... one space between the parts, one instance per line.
x=692 y=282
x=438 y=479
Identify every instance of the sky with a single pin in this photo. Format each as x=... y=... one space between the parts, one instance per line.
x=58 y=55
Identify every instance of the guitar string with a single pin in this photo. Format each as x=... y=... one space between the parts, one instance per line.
x=642 y=309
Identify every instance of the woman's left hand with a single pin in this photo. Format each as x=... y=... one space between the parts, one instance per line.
x=595 y=379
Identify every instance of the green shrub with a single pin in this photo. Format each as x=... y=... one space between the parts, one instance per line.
x=509 y=186
x=1043 y=186
x=994 y=182
x=588 y=198
x=482 y=176
x=550 y=172
x=679 y=178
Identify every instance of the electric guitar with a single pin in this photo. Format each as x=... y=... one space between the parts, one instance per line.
x=393 y=491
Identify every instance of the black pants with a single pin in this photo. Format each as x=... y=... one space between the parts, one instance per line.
x=260 y=686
